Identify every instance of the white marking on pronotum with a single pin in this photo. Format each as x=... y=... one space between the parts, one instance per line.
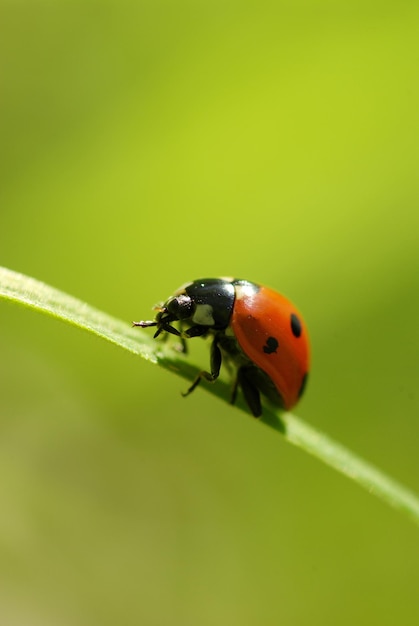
x=182 y=288
x=245 y=291
x=203 y=315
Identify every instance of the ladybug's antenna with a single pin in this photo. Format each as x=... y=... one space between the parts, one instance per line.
x=144 y=324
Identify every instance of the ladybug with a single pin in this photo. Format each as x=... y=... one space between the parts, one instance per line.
x=252 y=326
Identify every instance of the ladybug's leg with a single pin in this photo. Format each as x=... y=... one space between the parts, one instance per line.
x=234 y=389
x=195 y=331
x=250 y=390
x=182 y=346
x=215 y=367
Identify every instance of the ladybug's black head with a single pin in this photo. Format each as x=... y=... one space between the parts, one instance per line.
x=178 y=308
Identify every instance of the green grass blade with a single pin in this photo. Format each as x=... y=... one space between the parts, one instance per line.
x=346 y=462
x=37 y=295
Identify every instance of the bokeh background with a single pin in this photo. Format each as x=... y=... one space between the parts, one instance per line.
x=144 y=144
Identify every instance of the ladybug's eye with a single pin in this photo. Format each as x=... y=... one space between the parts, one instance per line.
x=180 y=306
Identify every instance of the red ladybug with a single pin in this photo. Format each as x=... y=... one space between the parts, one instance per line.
x=254 y=327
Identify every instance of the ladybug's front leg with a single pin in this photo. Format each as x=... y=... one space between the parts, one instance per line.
x=215 y=368
x=193 y=331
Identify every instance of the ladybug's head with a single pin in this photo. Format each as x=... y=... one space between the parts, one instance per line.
x=177 y=308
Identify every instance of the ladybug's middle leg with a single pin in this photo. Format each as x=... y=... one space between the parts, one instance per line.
x=245 y=379
x=215 y=362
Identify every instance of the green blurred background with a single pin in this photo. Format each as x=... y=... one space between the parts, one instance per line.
x=144 y=144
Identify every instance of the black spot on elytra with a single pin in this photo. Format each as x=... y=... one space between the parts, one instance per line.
x=271 y=345
x=303 y=385
x=296 y=325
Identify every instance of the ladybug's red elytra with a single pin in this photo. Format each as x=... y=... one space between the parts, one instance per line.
x=254 y=327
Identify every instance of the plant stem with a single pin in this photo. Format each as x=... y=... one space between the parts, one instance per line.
x=37 y=295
